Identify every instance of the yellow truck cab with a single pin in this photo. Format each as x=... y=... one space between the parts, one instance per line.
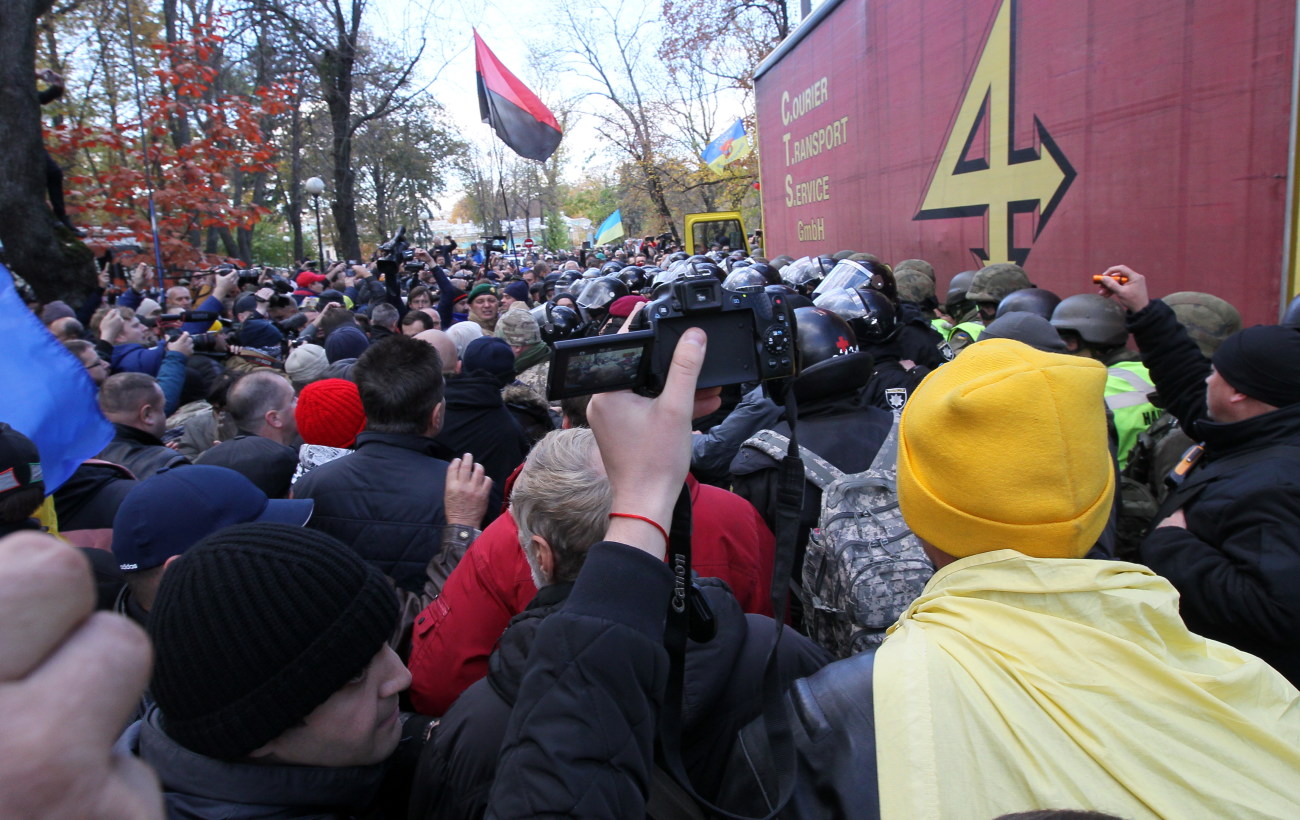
x=724 y=228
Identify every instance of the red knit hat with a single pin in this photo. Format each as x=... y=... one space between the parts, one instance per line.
x=329 y=412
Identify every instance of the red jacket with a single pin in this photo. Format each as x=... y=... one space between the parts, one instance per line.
x=455 y=634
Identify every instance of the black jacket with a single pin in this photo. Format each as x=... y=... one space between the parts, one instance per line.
x=842 y=430
x=918 y=341
x=1237 y=565
x=87 y=503
x=477 y=422
x=723 y=692
x=140 y=452
x=579 y=742
x=833 y=722
x=203 y=788
x=891 y=384
x=385 y=501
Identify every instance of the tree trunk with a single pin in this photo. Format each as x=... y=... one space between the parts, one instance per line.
x=52 y=260
x=336 y=83
x=293 y=196
x=655 y=187
x=177 y=123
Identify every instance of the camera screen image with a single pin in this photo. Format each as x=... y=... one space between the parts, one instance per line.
x=597 y=365
x=603 y=370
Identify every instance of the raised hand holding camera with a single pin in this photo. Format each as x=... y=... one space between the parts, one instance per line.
x=646 y=470
x=752 y=335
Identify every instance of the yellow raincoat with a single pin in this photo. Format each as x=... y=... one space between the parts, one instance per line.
x=1018 y=683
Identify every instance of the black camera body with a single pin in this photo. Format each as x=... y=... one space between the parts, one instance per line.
x=170 y=326
x=751 y=338
x=394 y=252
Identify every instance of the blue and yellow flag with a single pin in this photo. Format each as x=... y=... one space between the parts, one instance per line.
x=611 y=228
x=728 y=148
x=48 y=395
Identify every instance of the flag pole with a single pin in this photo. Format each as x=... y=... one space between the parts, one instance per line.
x=501 y=186
x=510 y=223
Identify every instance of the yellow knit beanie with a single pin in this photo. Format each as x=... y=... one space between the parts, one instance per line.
x=1005 y=447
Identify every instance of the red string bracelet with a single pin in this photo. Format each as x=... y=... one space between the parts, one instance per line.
x=649 y=521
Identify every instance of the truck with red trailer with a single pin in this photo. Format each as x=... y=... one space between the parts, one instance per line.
x=1065 y=137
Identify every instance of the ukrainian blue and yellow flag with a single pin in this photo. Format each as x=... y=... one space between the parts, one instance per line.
x=49 y=397
x=726 y=149
x=611 y=228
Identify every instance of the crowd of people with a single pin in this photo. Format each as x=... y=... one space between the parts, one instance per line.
x=384 y=572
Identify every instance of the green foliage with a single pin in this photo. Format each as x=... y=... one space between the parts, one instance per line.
x=555 y=236
x=592 y=197
x=402 y=160
x=269 y=245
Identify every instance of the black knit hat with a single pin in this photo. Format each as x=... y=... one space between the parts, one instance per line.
x=1262 y=362
x=256 y=626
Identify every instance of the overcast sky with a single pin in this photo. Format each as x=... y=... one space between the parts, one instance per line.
x=510 y=28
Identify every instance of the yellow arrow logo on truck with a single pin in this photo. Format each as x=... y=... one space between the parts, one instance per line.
x=1000 y=180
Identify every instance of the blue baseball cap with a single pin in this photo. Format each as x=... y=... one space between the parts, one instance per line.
x=168 y=513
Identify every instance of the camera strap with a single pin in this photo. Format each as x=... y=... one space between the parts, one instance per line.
x=689 y=617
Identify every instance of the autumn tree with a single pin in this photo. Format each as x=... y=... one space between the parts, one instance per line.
x=611 y=47
x=734 y=34
x=401 y=162
x=189 y=179
x=330 y=33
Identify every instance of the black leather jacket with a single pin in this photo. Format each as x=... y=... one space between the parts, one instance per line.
x=140 y=452
x=833 y=720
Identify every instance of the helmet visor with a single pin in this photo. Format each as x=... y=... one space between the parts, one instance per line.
x=845 y=274
x=844 y=303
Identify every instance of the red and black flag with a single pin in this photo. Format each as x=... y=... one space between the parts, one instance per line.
x=514 y=112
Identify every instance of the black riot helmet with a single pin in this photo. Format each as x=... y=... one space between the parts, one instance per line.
x=557 y=322
x=745 y=280
x=600 y=293
x=821 y=335
x=860 y=275
x=956 y=302
x=1029 y=300
x=830 y=363
x=868 y=312
x=635 y=278
x=806 y=274
x=566 y=279
x=769 y=273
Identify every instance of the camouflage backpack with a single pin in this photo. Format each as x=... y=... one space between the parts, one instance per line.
x=863 y=566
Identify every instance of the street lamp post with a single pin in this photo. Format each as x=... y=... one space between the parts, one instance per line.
x=316 y=186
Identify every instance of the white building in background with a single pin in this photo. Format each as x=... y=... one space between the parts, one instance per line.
x=464 y=233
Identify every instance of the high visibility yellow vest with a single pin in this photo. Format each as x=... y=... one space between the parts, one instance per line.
x=963 y=334
x=1127 y=386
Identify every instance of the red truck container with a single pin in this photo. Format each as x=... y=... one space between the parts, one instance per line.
x=1064 y=136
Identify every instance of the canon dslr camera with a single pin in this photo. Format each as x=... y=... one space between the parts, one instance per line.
x=751 y=338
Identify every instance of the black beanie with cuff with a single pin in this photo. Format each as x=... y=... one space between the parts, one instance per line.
x=256 y=626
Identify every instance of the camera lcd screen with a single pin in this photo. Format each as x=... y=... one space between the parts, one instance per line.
x=580 y=367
